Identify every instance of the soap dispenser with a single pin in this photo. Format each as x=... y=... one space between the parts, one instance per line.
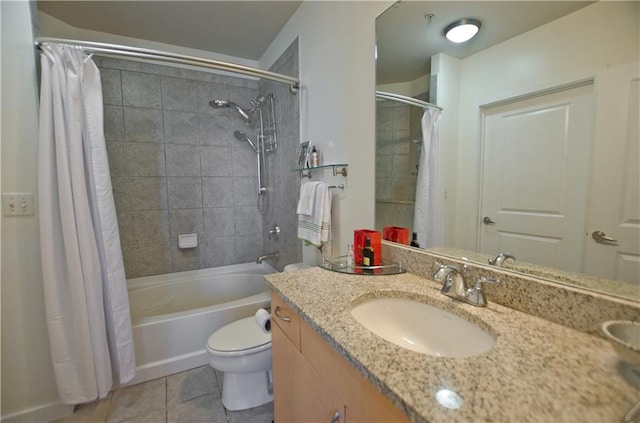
x=314 y=160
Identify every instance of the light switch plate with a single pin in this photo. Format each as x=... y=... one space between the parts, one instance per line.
x=18 y=204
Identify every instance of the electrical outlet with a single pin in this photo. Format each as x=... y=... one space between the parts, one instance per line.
x=18 y=204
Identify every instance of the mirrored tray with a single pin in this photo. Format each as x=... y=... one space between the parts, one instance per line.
x=339 y=264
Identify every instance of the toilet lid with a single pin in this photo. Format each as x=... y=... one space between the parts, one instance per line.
x=240 y=335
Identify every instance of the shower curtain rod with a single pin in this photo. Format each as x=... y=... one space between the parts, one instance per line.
x=406 y=100
x=164 y=56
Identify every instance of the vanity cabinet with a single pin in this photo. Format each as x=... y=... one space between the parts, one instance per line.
x=313 y=383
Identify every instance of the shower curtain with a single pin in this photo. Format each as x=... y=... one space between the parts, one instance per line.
x=86 y=301
x=427 y=218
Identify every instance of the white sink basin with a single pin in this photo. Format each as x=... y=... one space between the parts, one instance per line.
x=422 y=328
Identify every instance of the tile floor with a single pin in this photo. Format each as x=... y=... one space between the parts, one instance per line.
x=193 y=396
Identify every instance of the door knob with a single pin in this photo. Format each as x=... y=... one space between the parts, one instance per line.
x=488 y=220
x=602 y=238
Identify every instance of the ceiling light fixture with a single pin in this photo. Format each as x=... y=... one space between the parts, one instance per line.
x=462 y=30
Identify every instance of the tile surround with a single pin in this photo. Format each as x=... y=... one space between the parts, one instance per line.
x=177 y=168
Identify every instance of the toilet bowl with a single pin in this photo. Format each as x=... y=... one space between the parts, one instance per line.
x=241 y=350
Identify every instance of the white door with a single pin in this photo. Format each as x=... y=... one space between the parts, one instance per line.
x=535 y=172
x=614 y=201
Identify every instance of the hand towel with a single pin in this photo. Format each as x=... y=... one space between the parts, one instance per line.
x=305 y=202
x=316 y=227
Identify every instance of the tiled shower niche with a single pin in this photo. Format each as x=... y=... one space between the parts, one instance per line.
x=176 y=167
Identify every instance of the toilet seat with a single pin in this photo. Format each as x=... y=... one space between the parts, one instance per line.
x=241 y=337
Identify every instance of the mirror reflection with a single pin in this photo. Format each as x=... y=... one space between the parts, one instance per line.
x=535 y=153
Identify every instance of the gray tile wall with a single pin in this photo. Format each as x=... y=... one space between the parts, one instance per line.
x=397 y=125
x=176 y=167
x=284 y=184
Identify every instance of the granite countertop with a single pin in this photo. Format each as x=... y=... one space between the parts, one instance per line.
x=538 y=371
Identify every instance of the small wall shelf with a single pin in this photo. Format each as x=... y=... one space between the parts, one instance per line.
x=339 y=264
x=338 y=169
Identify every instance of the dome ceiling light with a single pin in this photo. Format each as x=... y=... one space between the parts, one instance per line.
x=462 y=30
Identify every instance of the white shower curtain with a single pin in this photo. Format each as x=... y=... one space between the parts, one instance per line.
x=87 y=307
x=427 y=217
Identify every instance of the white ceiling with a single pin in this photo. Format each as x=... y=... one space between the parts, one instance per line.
x=406 y=41
x=245 y=29
x=237 y=28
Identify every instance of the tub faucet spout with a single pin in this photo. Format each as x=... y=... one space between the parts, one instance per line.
x=269 y=256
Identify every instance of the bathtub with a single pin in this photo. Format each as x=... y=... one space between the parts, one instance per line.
x=174 y=314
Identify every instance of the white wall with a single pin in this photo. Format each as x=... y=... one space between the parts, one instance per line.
x=409 y=88
x=569 y=49
x=27 y=375
x=337 y=69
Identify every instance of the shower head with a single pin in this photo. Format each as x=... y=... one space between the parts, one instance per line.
x=241 y=136
x=219 y=104
x=246 y=114
x=222 y=104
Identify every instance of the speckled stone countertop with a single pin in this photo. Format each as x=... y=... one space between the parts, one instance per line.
x=538 y=371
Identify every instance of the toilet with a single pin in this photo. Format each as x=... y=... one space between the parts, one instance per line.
x=242 y=351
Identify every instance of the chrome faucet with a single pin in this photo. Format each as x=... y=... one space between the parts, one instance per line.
x=455 y=285
x=500 y=259
x=269 y=256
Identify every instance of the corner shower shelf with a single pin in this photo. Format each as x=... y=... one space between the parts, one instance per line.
x=339 y=264
x=338 y=169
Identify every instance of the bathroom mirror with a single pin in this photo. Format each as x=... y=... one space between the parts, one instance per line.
x=541 y=62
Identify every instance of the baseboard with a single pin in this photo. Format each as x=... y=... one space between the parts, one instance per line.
x=40 y=414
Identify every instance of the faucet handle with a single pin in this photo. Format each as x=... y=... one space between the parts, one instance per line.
x=483 y=279
x=475 y=295
x=443 y=271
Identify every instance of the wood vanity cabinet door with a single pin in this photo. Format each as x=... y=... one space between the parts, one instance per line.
x=299 y=394
x=287 y=319
x=365 y=404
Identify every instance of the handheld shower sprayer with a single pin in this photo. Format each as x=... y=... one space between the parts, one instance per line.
x=241 y=136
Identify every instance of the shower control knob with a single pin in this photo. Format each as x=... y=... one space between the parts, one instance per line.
x=274 y=232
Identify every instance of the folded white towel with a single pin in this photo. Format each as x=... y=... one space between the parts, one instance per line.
x=316 y=227
x=307 y=194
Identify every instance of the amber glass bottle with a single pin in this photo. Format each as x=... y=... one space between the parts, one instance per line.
x=414 y=241
x=367 y=254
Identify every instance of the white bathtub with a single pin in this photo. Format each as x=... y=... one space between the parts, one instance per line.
x=173 y=315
